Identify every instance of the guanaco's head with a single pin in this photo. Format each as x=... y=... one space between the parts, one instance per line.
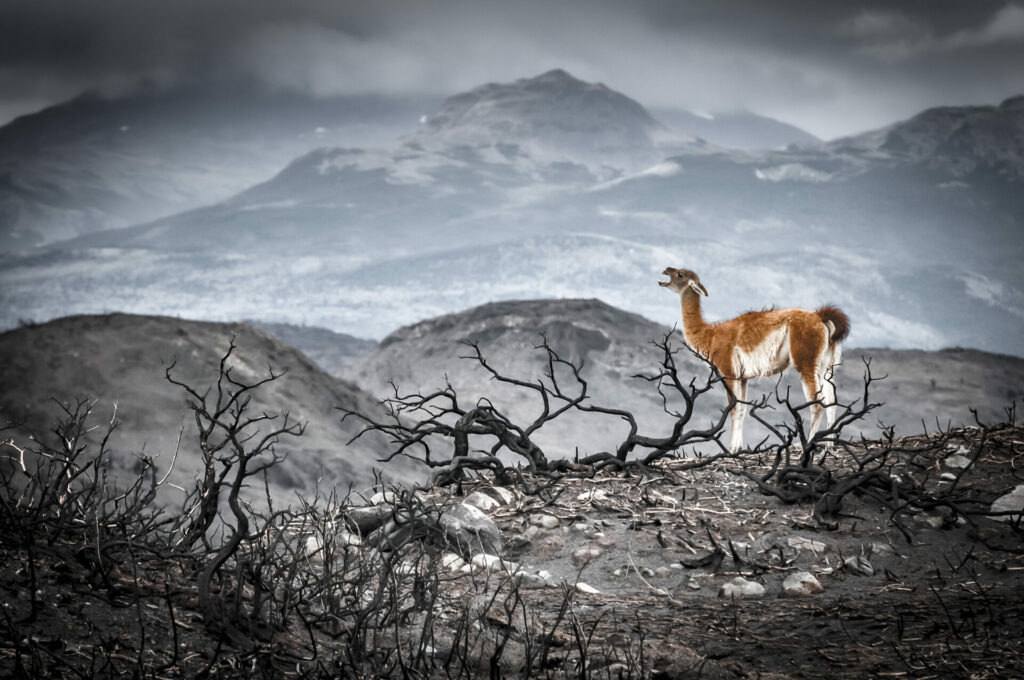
x=681 y=279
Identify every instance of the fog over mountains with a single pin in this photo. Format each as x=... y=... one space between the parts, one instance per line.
x=552 y=187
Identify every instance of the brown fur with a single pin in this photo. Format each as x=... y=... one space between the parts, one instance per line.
x=758 y=344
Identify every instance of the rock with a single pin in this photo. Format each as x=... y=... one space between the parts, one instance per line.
x=957 y=462
x=859 y=565
x=593 y=495
x=366 y=519
x=588 y=589
x=1011 y=502
x=545 y=521
x=530 y=580
x=518 y=543
x=531 y=531
x=470 y=531
x=492 y=564
x=801 y=543
x=881 y=549
x=662 y=571
x=675 y=565
x=384 y=497
x=801 y=584
x=740 y=588
x=586 y=553
x=482 y=501
x=692 y=585
x=452 y=562
x=947 y=477
x=934 y=521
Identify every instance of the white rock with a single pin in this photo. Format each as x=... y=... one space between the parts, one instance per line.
x=492 y=563
x=662 y=571
x=389 y=497
x=530 y=580
x=801 y=584
x=801 y=543
x=545 y=521
x=593 y=495
x=692 y=585
x=676 y=565
x=584 y=588
x=452 y=562
x=947 y=477
x=1011 y=502
x=585 y=553
x=544 y=574
x=481 y=501
x=740 y=588
x=858 y=565
x=881 y=549
x=958 y=462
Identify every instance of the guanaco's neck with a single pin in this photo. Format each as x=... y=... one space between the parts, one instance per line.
x=694 y=326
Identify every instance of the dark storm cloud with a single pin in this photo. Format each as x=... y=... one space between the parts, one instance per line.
x=831 y=67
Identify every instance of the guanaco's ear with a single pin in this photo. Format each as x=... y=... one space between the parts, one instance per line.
x=699 y=287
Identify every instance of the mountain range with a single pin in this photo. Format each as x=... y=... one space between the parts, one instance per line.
x=553 y=187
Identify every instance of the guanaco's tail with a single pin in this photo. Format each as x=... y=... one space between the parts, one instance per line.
x=837 y=321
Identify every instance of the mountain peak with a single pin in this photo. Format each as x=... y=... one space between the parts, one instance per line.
x=554 y=111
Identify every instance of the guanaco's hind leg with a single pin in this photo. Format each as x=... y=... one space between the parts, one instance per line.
x=739 y=412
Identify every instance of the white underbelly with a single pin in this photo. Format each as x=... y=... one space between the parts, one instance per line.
x=768 y=358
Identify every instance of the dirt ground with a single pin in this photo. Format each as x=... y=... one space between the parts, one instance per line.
x=628 y=582
x=945 y=596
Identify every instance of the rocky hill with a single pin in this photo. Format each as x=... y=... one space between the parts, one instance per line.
x=921 y=389
x=119 y=359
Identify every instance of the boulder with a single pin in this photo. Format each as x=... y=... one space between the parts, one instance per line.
x=470 y=531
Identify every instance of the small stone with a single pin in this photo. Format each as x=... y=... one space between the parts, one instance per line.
x=957 y=462
x=801 y=543
x=675 y=565
x=482 y=501
x=881 y=549
x=588 y=589
x=518 y=543
x=646 y=572
x=801 y=584
x=389 y=497
x=452 y=562
x=580 y=527
x=858 y=564
x=1011 y=502
x=740 y=588
x=586 y=553
x=594 y=495
x=947 y=477
x=546 y=575
x=692 y=585
x=530 y=580
x=620 y=572
x=545 y=521
x=662 y=571
x=492 y=564
x=934 y=521
x=531 y=531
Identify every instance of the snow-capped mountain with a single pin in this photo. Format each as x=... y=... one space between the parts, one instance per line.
x=485 y=201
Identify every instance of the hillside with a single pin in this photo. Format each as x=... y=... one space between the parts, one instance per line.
x=98 y=162
x=919 y=386
x=119 y=359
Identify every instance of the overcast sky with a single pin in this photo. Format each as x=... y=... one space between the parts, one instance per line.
x=833 y=68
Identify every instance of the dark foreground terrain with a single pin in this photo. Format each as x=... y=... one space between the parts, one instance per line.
x=603 y=574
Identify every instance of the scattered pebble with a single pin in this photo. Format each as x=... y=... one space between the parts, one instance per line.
x=801 y=584
x=452 y=562
x=584 y=588
x=662 y=571
x=947 y=477
x=530 y=580
x=692 y=585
